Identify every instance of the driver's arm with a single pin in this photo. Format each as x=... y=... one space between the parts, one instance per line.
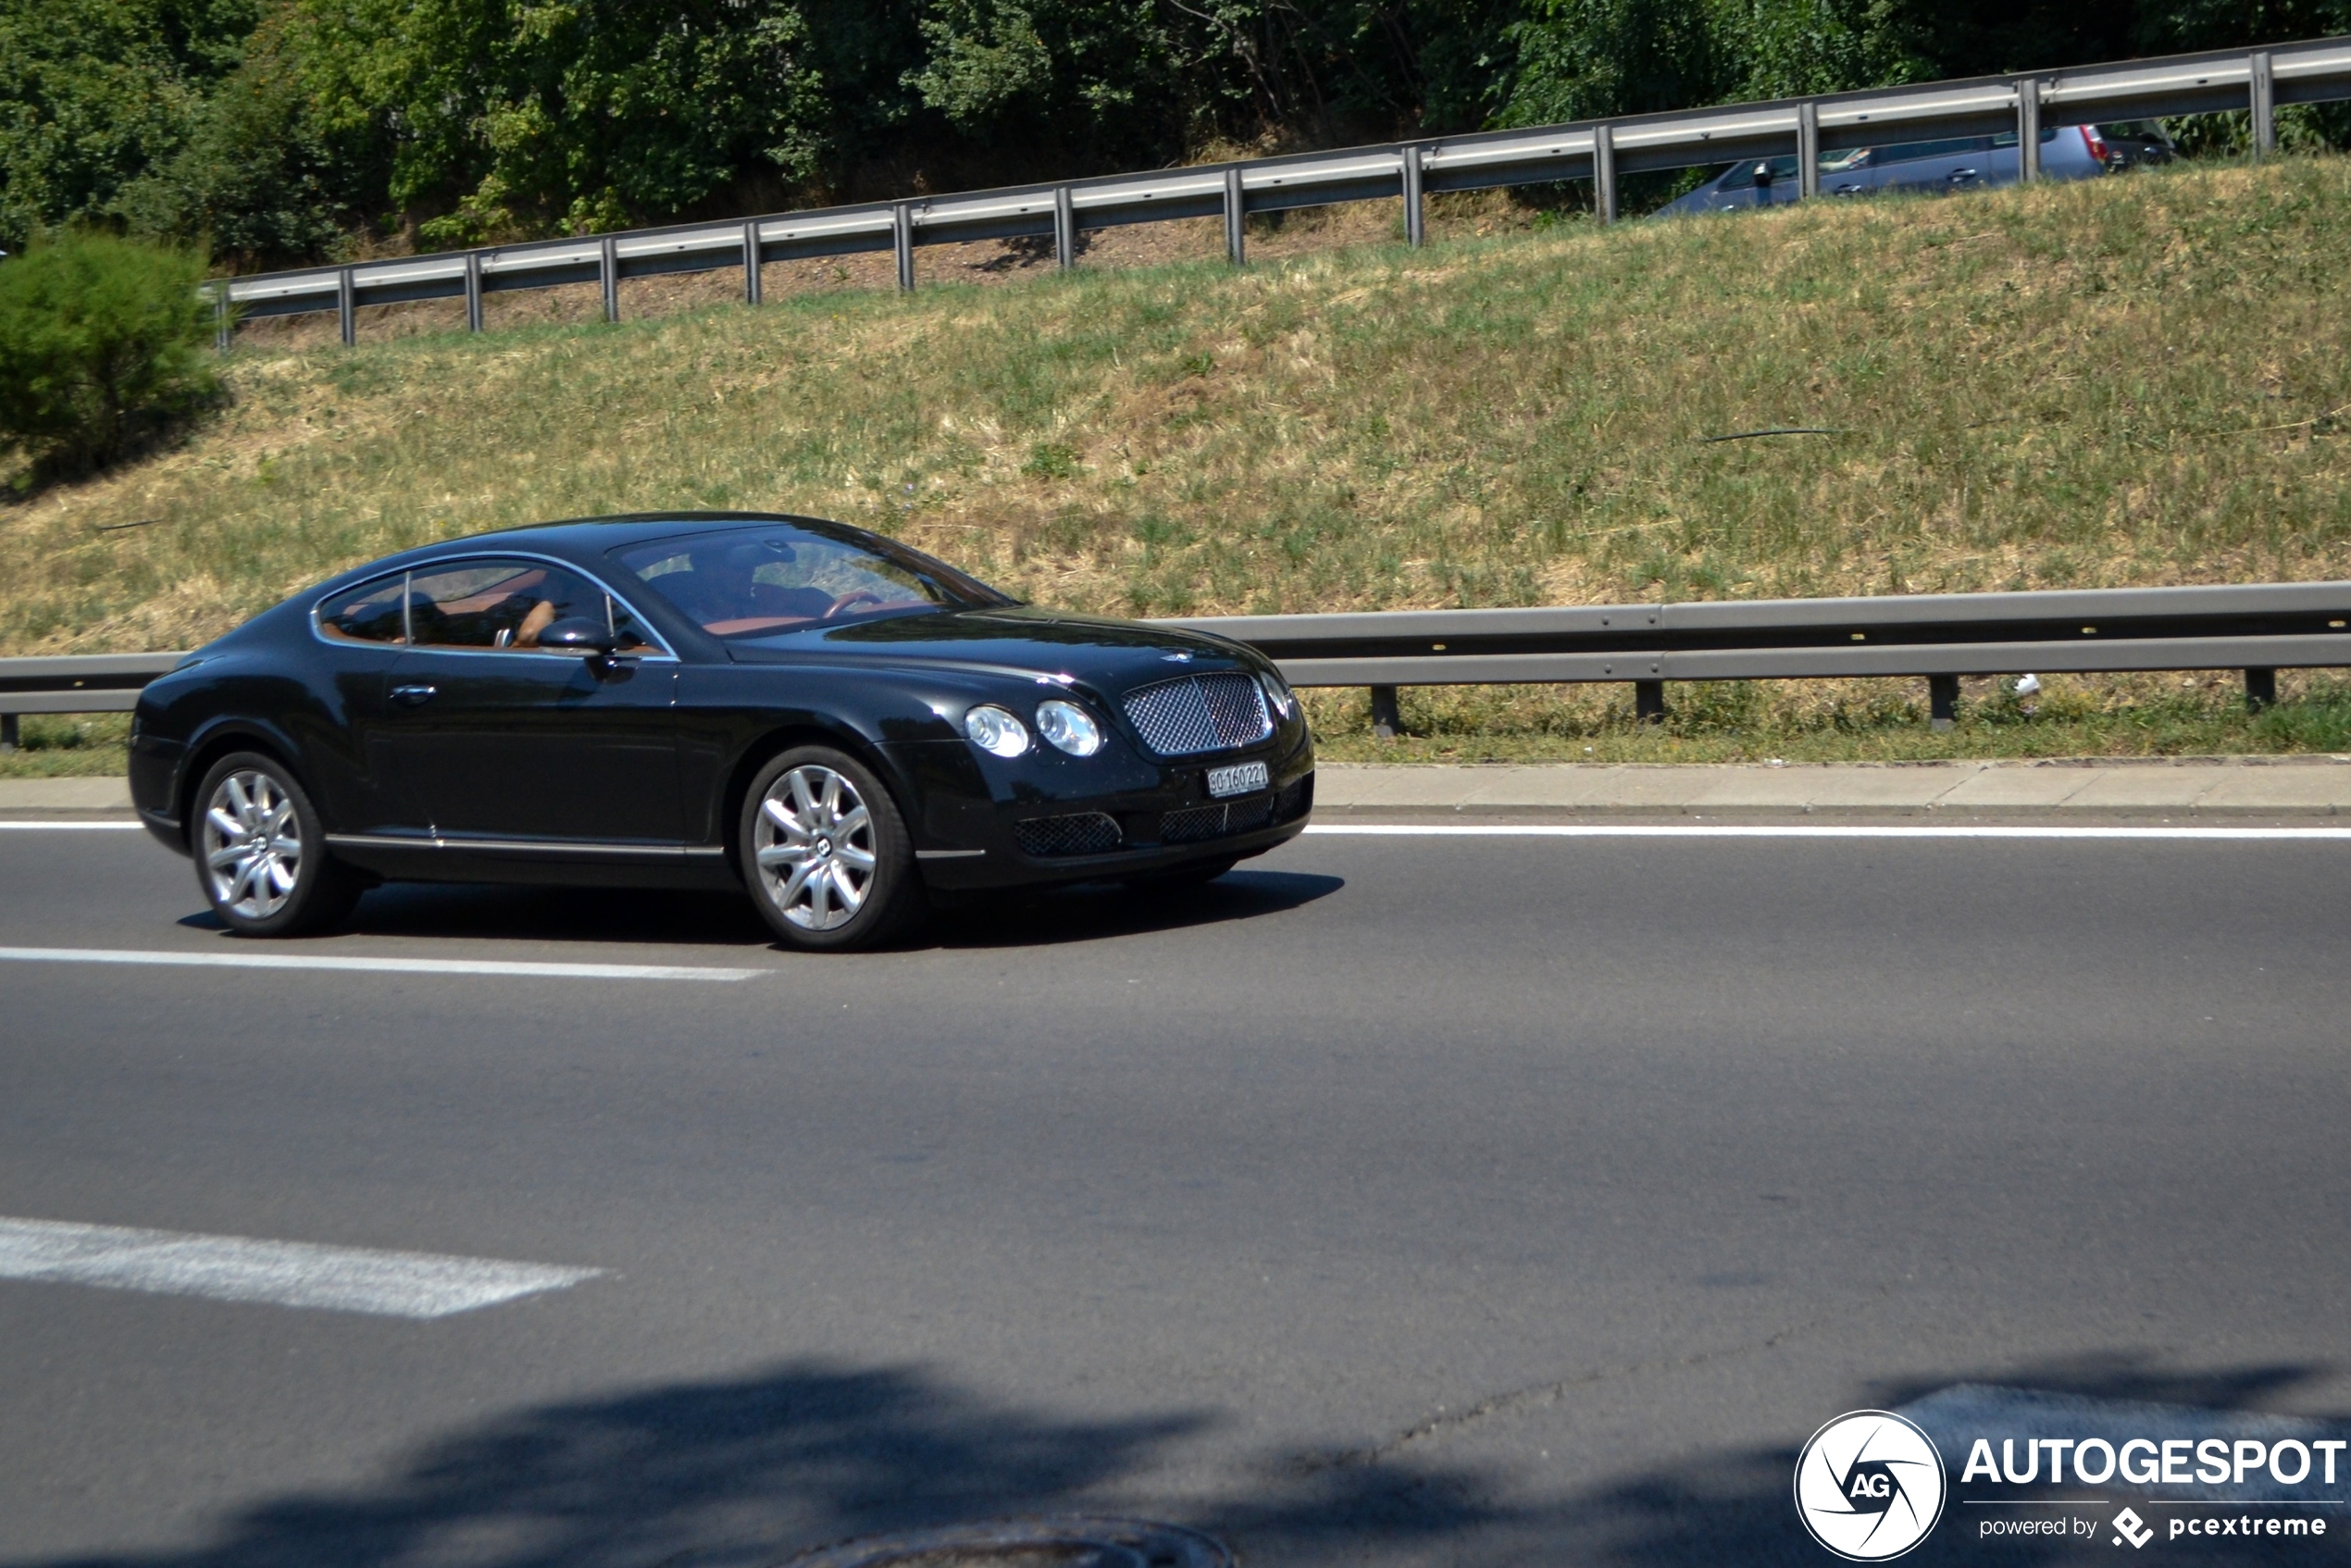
x=542 y=617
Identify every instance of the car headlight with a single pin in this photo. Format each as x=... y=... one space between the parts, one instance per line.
x=1070 y=728
x=1277 y=691
x=995 y=729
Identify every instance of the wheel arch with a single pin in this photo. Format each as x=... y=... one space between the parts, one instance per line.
x=766 y=747
x=210 y=747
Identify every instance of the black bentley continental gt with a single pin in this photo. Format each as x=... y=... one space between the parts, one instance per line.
x=839 y=724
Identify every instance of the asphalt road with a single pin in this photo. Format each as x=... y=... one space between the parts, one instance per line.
x=1395 y=1201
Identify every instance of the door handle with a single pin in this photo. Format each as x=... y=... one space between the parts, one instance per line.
x=1960 y=176
x=413 y=696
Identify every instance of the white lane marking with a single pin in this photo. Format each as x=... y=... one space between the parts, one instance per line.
x=285 y=1273
x=377 y=966
x=69 y=826
x=1728 y=830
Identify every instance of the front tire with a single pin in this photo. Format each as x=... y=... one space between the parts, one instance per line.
x=261 y=851
x=826 y=854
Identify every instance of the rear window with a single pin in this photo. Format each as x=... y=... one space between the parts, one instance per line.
x=374 y=613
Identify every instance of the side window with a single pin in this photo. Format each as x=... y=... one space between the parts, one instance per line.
x=374 y=613
x=625 y=625
x=494 y=604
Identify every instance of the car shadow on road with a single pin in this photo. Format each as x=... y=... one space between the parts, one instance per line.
x=1097 y=910
x=727 y=920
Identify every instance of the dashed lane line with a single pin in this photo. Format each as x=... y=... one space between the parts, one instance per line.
x=284 y=1274
x=354 y=963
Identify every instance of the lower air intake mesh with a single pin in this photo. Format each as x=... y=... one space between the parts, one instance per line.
x=1088 y=832
x=1197 y=824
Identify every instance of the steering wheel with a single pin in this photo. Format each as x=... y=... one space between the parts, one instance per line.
x=852 y=597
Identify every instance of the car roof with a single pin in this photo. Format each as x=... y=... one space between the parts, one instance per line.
x=583 y=538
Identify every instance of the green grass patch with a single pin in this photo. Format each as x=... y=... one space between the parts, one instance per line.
x=1841 y=721
x=68 y=747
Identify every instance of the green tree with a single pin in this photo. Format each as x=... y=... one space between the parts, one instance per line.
x=262 y=177
x=95 y=93
x=104 y=342
x=518 y=117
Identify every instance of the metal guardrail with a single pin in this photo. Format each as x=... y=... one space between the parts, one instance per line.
x=88 y=684
x=2259 y=629
x=2318 y=70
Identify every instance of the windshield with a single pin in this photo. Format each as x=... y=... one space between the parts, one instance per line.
x=780 y=577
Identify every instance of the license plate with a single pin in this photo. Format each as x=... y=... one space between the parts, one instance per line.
x=1240 y=779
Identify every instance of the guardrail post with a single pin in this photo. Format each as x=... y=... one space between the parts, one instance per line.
x=2260 y=690
x=2262 y=92
x=2028 y=128
x=1649 y=702
x=1807 y=150
x=1604 y=172
x=1416 y=227
x=1385 y=721
x=1943 y=701
x=9 y=738
x=346 y=307
x=1236 y=239
x=752 y=260
x=608 y=268
x=220 y=325
x=473 y=290
x=1064 y=228
x=901 y=243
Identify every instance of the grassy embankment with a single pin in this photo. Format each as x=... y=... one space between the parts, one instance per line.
x=2139 y=380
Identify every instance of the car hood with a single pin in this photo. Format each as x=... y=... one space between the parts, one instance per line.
x=1110 y=655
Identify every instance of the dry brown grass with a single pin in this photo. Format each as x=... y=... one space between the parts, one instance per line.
x=2133 y=380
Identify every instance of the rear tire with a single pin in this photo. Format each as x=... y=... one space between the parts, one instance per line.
x=261 y=852
x=825 y=853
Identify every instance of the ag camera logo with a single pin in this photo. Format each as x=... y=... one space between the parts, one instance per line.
x=1869 y=1486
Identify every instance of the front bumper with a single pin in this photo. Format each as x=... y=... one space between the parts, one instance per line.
x=1022 y=824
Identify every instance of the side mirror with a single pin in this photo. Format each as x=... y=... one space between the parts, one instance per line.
x=1764 y=175
x=579 y=634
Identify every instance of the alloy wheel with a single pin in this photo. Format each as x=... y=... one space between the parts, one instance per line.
x=251 y=845
x=814 y=844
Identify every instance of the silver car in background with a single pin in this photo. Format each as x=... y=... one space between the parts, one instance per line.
x=1957 y=163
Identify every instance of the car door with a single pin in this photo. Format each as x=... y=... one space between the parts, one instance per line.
x=354 y=767
x=505 y=740
x=1954 y=164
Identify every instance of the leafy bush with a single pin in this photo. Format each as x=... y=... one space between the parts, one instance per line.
x=103 y=345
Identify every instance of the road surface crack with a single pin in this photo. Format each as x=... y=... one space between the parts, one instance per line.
x=1447 y=1424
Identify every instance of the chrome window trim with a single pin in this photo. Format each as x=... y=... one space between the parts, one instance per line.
x=666 y=656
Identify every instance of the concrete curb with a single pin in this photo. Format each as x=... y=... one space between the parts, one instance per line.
x=2300 y=786
x=64 y=799
x=2304 y=786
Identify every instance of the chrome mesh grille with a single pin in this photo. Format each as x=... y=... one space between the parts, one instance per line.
x=1086 y=832
x=1199 y=713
